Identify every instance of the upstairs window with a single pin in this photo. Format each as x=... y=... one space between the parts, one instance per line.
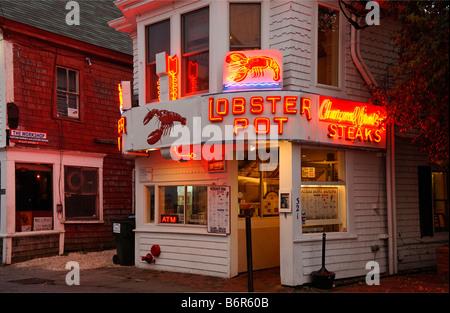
x=195 y=51
x=328 y=47
x=67 y=92
x=157 y=40
x=245 y=26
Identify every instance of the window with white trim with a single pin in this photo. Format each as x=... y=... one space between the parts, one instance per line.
x=81 y=193
x=195 y=51
x=67 y=93
x=328 y=46
x=182 y=204
x=323 y=191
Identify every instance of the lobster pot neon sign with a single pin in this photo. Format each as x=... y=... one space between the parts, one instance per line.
x=253 y=70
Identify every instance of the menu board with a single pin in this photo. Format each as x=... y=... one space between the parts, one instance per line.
x=320 y=203
x=219 y=209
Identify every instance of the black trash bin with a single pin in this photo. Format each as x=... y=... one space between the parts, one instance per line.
x=123 y=231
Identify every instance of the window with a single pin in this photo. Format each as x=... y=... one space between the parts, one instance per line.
x=81 y=192
x=195 y=51
x=34 y=197
x=433 y=201
x=323 y=191
x=157 y=41
x=257 y=190
x=150 y=200
x=328 y=47
x=440 y=201
x=183 y=204
x=67 y=92
x=245 y=26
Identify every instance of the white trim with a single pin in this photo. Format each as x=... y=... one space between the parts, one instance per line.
x=57 y=159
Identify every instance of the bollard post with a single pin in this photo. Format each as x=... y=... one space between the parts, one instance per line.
x=248 y=235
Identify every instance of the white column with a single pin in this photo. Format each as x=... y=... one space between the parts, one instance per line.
x=291 y=271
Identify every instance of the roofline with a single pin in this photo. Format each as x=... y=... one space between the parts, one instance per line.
x=61 y=40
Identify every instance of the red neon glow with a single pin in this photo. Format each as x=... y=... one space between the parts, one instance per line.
x=238 y=106
x=240 y=65
x=265 y=122
x=352 y=121
x=219 y=103
x=256 y=104
x=252 y=69
x=172 y=71
x=240 y=123
x=213 y=118
x=306 y=107
x=290 y=104
x=180 y=156
x=280 y=121
x=273 y=100
x=119 y=87
x=121 y=129
x=192 y=76
x=345 y=112
x=353 y=133
x=170 y=219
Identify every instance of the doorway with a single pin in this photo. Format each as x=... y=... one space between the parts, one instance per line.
x=34 y=197
x=258 y=197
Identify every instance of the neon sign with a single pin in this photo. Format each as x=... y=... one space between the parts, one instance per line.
x=121 y=129
x=352 y=122
x=252 y=69
x=124 y=95
x=167 y=65
x=172 y=70
x=179 y=155
x=286 y=105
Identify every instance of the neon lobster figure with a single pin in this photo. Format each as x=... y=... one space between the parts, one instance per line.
x=242 y=65
x=166 y=120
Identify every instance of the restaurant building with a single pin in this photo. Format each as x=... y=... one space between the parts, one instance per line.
x=62 y=177
x=261 y=108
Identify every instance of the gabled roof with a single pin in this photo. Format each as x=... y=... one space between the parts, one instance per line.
x=50 y=15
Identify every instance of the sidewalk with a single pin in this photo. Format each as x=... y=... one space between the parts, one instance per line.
x=35 y=277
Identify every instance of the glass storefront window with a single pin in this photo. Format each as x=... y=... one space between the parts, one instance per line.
x=183 y=205
x=323 y=191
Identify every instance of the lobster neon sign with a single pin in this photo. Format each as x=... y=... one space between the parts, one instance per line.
x=252 y=69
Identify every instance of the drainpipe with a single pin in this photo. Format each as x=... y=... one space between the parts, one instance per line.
x=390 y=152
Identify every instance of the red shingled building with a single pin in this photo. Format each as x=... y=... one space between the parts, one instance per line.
x=62 y=176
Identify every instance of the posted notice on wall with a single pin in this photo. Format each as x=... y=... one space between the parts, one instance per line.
x=219 y=209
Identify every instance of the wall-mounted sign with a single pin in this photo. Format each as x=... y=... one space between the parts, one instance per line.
x=352 y=121
x=169 y=219
x=167 y=65
x=219 y=209
x=124 y=95
x=252 y=70
x=145 y=174
x=23 y=136
x=238 y=116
